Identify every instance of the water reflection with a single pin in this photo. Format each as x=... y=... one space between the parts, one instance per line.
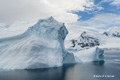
x=67 y=72
x=37 y=74
x=83 y=71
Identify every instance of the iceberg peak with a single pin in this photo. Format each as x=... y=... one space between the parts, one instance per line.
x=50 y=22
x=51 y=18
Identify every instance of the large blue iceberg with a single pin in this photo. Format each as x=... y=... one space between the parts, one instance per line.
x=40 y=46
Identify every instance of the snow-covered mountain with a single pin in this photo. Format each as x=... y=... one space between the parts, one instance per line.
x=40 y=46
x=87 y=39
x=18 y=27
x=113 y=31
x=3 y=25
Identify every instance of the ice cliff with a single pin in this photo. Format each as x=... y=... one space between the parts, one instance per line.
x=40 y=46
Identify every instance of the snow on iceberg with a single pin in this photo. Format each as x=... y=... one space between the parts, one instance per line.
x=92 y=54
x=42 y=45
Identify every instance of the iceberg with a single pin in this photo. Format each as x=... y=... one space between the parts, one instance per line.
x=89 y=55
x=41 y=46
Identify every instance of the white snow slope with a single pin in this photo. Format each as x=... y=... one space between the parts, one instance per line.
x=40 y=46
x=3 y=25
x=114 y=31
x=113 y=38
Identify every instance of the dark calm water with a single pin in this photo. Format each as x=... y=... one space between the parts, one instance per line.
x=84 y=71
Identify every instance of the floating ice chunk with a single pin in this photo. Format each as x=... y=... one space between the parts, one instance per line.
x=92 y=54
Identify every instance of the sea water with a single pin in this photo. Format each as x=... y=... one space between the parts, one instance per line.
x=108 y=70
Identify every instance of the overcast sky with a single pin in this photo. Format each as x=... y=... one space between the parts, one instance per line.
x=97 y=14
